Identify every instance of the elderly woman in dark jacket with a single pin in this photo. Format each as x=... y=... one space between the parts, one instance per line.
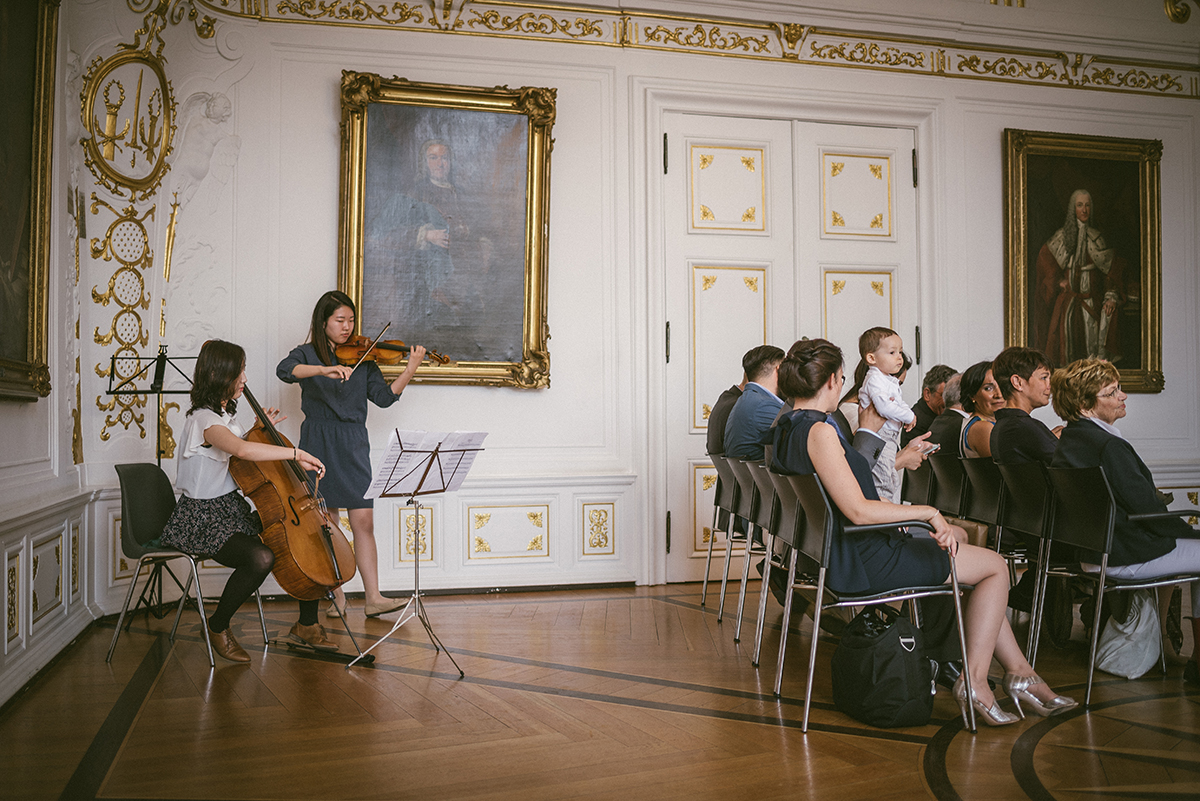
x=1087 y=393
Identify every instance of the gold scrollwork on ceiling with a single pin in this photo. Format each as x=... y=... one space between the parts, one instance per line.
x=748 y=214
x=877 y=288
x=1134 y=79
x=414 y=532
x=706 y=213
x=706 y=282
x=598 y=528
x=482 y=519
x=351 y=10
x=535 y=544
x=705 y=160
x=839 y=220
x=751 y=282
x=866 y=53
x=748 y=163
x=535 y=23
x=535 y=518
x=1177 y=10
x=877 y=220
x=708 y=481
x=876 y=170
x=174 y=12
x=482 y=546
x=127 y=242
x=838 y=286
x=836 y=168
x=1009 y=68
x=705 y=411
x=712 y=38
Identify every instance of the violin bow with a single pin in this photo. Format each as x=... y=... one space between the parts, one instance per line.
x=367 y=352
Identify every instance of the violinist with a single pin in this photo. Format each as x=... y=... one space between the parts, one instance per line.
x=212 y=517
x=334 y=399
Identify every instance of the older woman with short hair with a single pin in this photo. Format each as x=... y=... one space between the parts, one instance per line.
x=1087 y=394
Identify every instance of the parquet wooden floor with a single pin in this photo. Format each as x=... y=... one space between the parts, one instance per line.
x=620 y=693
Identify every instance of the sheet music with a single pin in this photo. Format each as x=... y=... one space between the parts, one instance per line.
x=406 y=462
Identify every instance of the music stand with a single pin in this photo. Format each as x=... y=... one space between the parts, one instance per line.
x=160 y=363
x=418 y=463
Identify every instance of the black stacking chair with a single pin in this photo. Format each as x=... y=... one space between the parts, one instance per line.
x=950 y=487
x=985 y=504
x=1029 y=509
x=814 y=538
x=747 y=509
x=723 y=505
x=147 y=501
x=767 y=522
x=918 y=485
x=1086 y=511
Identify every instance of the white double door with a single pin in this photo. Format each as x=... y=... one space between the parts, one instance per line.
x=773 y=230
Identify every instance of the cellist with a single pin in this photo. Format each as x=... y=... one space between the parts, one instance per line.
x=212 y=518
x=334 y=400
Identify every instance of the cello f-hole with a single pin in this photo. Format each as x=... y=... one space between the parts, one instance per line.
x=295 y=514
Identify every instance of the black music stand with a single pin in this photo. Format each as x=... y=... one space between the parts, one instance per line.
x=429 y=464
x=160 y=363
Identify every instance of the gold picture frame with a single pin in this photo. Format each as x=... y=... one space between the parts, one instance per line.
x=25 y=201
x=444 y=230
x=1057 y=186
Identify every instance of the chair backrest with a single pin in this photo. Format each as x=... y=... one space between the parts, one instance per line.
x=747 y=500
x=950 y=484
x=819 y=518
x=791 y=516
x=727 y=486
x=918 y=485
x=1028 y=500
x=147 y=501
x=1085 y=509
x=985 y=501
x=768 y=499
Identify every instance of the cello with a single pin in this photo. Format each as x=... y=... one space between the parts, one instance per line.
x=312 y=555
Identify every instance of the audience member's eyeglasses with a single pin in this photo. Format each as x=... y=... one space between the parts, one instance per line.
x=1112 y=393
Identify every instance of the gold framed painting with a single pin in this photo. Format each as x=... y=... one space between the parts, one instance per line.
x=1083 y=258
x=27 y=56
x=445 y=198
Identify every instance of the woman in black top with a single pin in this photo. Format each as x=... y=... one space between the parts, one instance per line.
x=877 y=561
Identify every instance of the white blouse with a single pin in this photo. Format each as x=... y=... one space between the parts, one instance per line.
x=202 y=471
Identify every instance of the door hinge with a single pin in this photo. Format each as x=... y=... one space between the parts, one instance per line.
x=914 y=168
x=664 y=154
x=668 y=532
x=917 y=340
x=668 y=341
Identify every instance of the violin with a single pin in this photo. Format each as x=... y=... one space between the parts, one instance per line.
x=359 y=348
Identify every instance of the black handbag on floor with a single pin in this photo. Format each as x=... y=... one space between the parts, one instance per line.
x=881 y=675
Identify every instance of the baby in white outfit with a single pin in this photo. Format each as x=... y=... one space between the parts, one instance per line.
x=881 y=388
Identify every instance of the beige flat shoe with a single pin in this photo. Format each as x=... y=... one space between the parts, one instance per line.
x=390 y=605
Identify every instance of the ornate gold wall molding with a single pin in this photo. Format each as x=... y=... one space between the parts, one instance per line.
x=792 y=42
x=1177 y=10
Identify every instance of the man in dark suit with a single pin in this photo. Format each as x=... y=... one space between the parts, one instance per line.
x=1087 y=393
x=946 y=428
x=718 y=416
x=756 y=409
x=931 y=403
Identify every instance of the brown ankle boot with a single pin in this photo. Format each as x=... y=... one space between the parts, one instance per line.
x=312 y=636
x=226 y=646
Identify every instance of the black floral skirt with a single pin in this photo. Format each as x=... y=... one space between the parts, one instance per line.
x=202 y=525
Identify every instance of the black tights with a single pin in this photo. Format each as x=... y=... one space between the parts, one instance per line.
x=251 y=562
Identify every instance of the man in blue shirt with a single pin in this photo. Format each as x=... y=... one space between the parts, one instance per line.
x=756 y=409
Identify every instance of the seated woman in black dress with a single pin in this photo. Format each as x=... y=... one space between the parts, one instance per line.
x=878 y=561
x=1087 y=393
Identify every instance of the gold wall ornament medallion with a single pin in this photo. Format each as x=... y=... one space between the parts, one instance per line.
x=1177 y=10
x=13 y=611
x=708 y=481
x=706 y=534
x=705 y=160
x=481 y=545
x=707 y=282
x=751 y=282
x=839 y=220
x=535 y=544
x=128 y=108
x=598 y=529
x=74 y=559
x=535 y=518
x=748 y=214
x=838 y=286
x=876 y=170
x=481 y=519
x=706 y=213
x=416 y=531
x=705 y=411
x=877 y=288
x=499 y=130
x=836 y=168
x=748 y=163
x=877 y=220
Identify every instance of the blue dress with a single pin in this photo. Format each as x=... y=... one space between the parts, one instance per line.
x=335 y=424
x=874 y=561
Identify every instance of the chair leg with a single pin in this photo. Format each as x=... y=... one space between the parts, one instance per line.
x=725 y=572
x=1041 y=578
x=124 y=609
x=812 y=648
x=750 y=553
x=712 y=537
x=787 y=616
x=262 y=620
x=962 y=643
x=769 y=547
x=1087 y=699
x=203 y=615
